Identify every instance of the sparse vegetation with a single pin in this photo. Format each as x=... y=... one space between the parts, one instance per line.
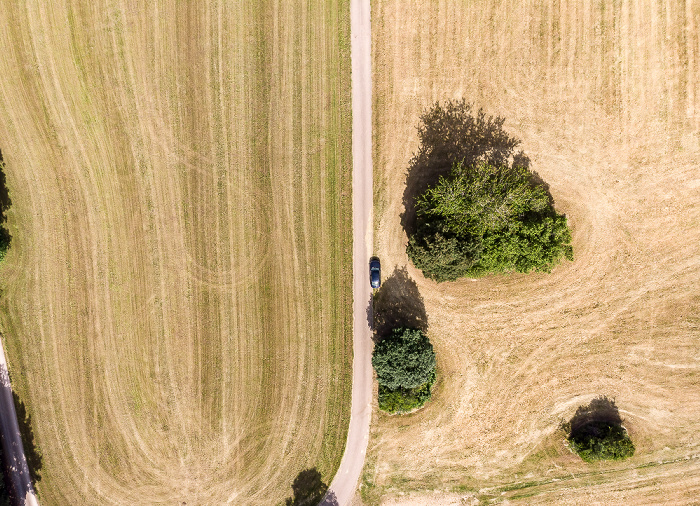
x=488 y=214
x=405 y=365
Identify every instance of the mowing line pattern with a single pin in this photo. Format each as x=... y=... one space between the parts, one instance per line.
x=176 y=303
x=605 y=97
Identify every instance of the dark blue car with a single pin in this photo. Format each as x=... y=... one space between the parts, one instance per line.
x=375 y=272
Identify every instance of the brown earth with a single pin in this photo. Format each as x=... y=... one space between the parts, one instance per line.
x=606 y=101
x=176 y=303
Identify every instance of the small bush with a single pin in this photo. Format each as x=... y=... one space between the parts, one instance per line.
x=601 y=441
x=402 y=400
x=405 y=365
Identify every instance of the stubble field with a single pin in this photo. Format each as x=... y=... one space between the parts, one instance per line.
x=606 y=100
x=176 y=304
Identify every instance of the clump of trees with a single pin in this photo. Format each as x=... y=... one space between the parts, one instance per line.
x=405 y=365
x=596 y=432
x=476 y=208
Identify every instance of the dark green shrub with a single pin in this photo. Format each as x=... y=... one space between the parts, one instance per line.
x=601 y=441
x=402 y=400
x=405 y=366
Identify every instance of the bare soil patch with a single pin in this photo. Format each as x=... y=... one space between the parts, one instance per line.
x=176 y=302
x=606 y=101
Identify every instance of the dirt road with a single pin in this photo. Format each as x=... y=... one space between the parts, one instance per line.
x=12 y=448
x=343 y=487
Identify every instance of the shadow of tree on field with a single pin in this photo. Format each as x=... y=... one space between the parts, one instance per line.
x=398 y=303
x=450 y=133
x=31 y=452
x=600 y=410
x=310 y=490
x=5 y=203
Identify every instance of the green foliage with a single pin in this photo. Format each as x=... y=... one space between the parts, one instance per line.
x=602 y=441
x=472 y=207
x=487 y=219
x=402 y=400
x=405 y=366
x=404 y=359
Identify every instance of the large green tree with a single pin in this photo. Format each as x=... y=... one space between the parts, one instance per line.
x=472 y=205
x=487 y=219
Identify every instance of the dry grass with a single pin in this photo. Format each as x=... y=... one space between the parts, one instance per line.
x=606 y=100
x=176 y=303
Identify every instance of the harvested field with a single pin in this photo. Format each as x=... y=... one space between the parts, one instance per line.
x=606 y=100
x=176 y=305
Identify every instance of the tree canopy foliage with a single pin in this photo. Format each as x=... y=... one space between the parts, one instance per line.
x=602 y=441
x=405 y=366
x=404 y=359
x=485 y=212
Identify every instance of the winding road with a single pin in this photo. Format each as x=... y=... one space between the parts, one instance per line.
x=344 y=484
x=12 y=448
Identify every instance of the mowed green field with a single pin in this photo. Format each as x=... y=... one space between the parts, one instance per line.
x=176 y=305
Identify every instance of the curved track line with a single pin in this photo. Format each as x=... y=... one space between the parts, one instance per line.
x=344 y=484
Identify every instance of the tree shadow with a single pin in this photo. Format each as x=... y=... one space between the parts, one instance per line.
x=5 y=203
x=397 y=303
x=31 y=452
x=309 y=490
x=600 y=410
x=5 y=485
x=450 y=133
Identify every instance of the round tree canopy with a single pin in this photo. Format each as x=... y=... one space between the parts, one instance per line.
x=405 y=359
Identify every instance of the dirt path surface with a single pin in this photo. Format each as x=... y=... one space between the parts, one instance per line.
x=12 y=447
x=606 y=100
x=344 y=483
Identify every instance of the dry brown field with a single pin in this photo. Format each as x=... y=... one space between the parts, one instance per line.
x=176 y=305
x=605 y=97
